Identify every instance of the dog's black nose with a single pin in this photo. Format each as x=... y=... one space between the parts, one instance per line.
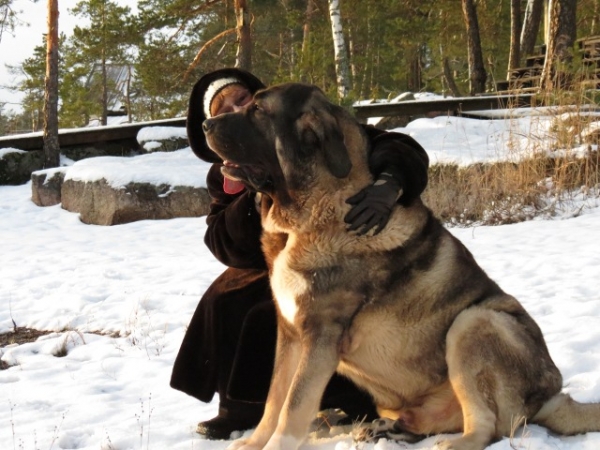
x=207 y=125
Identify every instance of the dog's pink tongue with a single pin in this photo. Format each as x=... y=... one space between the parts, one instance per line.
x=232 y=186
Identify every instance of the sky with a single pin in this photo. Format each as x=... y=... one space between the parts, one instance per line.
x=18 y=46
x=139 y=283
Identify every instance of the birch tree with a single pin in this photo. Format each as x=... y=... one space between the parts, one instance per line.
x=342 y=69
x=51 y=145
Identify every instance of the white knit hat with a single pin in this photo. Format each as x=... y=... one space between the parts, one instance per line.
x=213 y=89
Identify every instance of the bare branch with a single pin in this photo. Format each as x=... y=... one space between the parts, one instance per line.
x=196 y=60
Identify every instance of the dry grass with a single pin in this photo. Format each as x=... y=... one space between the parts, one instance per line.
x=504 y=192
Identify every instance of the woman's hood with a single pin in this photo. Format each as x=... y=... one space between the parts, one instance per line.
x=196 y=113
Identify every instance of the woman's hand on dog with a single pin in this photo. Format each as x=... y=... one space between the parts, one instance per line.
x=373 y=205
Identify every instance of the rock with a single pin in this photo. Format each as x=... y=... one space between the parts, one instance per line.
x=46 y=186
x=16 y=165
x=99 y=203
x=162 y=139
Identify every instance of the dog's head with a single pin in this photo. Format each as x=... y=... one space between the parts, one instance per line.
x=286 y=140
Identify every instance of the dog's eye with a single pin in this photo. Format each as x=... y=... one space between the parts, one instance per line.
x=256 y=107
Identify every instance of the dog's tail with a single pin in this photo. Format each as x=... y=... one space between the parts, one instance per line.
x=564 y=415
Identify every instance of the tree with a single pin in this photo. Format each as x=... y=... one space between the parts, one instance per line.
x=51 y=145
x=561 y=38
x=531 y=25
x=8 y=17
x=104 y=42
x=515 y=29
x=33 y=86
x=339 y=45
x=477 y=73
x=244 y=50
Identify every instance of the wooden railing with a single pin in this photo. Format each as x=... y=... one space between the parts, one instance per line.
x=451 y=106
x=82 y=136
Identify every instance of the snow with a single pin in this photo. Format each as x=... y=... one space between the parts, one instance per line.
x=178 y=168
x=6 y=151
x=138 y=284
x=161 y=133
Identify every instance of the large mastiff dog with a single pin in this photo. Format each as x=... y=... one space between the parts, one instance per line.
x=407 y=314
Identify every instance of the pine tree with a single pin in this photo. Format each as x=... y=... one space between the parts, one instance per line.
x=104 y=42
x=477 y=73
x=561 y=38
x=51 y=145
x=32 y=86
x=8 y=17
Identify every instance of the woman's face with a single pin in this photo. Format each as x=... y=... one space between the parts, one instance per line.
x=230 y=99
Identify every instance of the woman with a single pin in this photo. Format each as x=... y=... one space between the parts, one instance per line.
x=229 y=346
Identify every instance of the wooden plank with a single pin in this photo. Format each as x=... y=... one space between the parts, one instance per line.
x=519 y=90
x=588 y=41
x=81 y=136
x=450 y=105
x=535 y=61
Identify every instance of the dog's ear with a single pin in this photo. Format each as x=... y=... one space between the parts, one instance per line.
x=331 y=140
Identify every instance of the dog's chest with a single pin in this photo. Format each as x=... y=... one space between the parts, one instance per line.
x=288 y=285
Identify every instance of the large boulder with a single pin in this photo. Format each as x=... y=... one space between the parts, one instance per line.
x=99 y=203
x=16 y=166
x=46 y=186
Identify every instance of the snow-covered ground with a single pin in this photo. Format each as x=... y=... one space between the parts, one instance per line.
x=138 y=284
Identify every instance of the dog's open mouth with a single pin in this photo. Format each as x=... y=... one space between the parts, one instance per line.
x=251 y=174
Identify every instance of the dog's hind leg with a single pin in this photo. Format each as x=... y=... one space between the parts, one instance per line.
x=287 y=355
x=500 y=371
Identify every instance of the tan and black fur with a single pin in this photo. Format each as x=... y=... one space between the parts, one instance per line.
x=407 y=314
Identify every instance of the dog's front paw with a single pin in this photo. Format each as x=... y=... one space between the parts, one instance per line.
x=446 y=444
x=279 y=442
x=469 y=442
x=243 y=444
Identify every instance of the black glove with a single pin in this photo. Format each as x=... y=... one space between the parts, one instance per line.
x=373 y=205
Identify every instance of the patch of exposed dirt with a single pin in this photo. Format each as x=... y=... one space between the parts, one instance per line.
x=21 y=335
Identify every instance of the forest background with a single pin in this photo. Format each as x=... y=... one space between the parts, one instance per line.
x=392 y=46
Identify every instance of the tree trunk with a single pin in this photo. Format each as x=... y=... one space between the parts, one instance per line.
x=594 y=27
x=515 y=28
x=561 y=39
x=531 y=26
x=104 y=89
x=103 y=69
x=244 y=50
x=567 y=30
x=51 y=145
x=128 y=94
x=450 y=78
x=477 y=73
x=310 y=10
x=339 y=46
x=415 y=73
